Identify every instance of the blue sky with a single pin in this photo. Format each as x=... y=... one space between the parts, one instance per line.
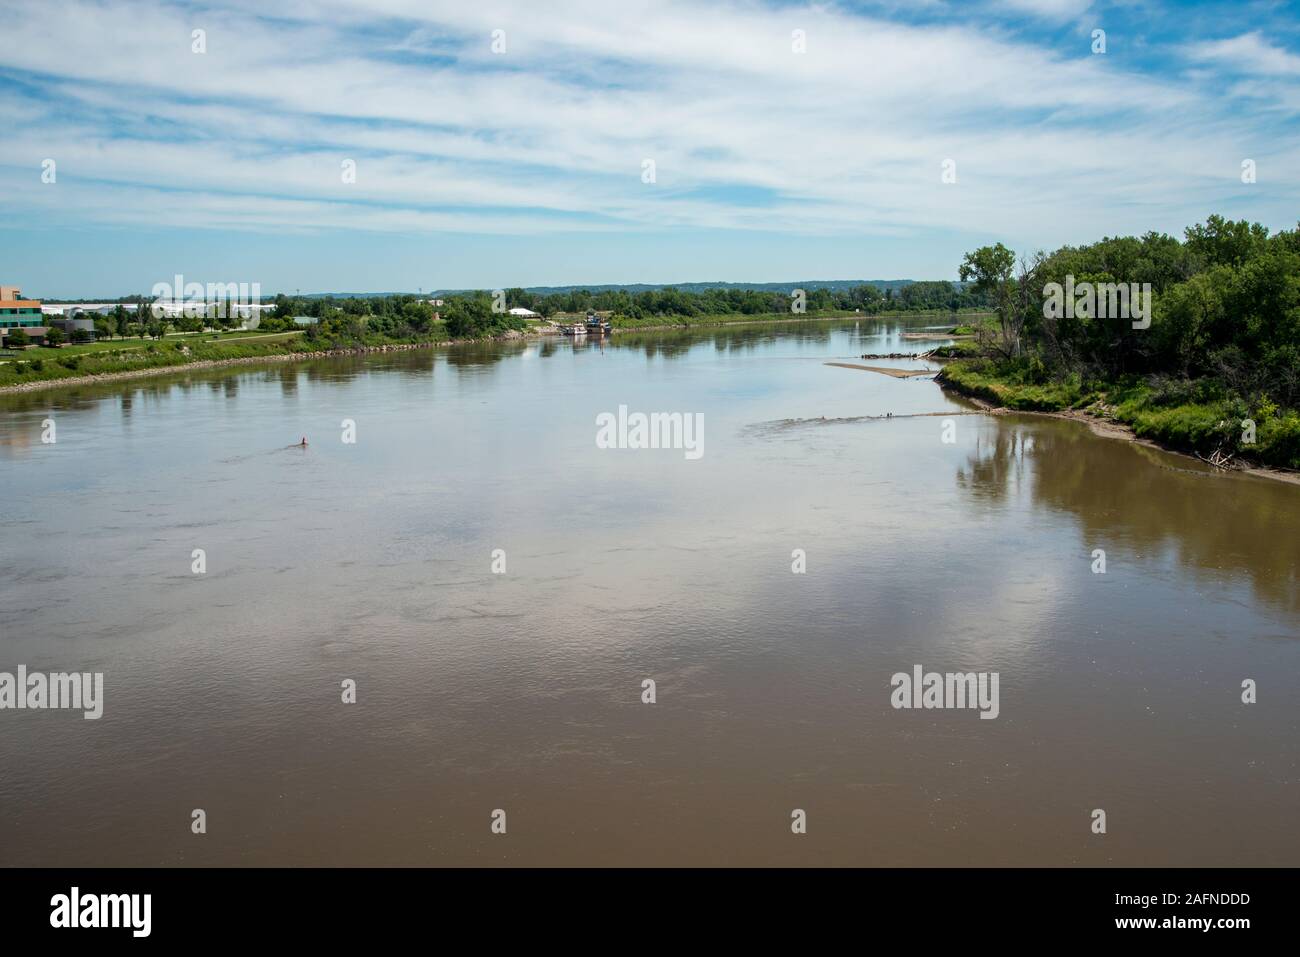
x=526 y=164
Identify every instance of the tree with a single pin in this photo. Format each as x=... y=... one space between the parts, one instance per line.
x=990 y=269
x=468 y=318
x=17 y=339
x=121 y=320
x=1223 y=242
x=419 y=316
x=54 y=336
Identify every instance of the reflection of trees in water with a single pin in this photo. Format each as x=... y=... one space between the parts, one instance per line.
x=48 y=401
x=227 y=386
x=333 y=369
x=287 y=377
x=1120 y=492
x=667 y=343
x=671 y=343
x=481 y=354
x=997 y=466
x=85 y=397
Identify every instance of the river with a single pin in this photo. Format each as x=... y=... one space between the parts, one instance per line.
x=499 y=588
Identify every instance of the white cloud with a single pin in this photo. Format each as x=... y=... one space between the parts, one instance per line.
x=847 y=138
x=1248 y=53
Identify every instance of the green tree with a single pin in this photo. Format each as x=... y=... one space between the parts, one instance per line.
x=468 y=318
x=121 y=320
x=1223 y=242
x=990 y=269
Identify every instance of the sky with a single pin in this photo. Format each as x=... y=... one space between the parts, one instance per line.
x=384 y=145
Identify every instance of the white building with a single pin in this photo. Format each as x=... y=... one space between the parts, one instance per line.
x=250 y=314
x=70 y=309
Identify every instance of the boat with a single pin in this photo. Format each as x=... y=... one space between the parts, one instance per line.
x=597 y=326
x=575 y=329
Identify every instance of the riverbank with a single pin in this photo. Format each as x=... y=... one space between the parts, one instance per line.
x=168 y=369
x=45 y=371
x=1128 y=415
x=49 y=368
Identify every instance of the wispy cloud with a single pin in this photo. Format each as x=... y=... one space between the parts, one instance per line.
x=551 y=134
x=1248 y=53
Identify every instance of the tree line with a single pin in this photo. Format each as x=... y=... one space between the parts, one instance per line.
x=1225 y=308
x=670 y=302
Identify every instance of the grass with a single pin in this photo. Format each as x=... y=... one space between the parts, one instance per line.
x=135 y=345
x=38 y=365
x=1015 y=388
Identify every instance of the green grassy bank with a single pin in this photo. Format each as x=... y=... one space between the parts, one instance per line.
x=1197 y=416
x=117 y=356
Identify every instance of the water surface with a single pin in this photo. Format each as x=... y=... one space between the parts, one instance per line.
x=522 y=691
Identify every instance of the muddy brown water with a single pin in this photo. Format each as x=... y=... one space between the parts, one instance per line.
x=522 y=691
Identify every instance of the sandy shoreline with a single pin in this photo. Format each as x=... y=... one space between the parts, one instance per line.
x=896 y=373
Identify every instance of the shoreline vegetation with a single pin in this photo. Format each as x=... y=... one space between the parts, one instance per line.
x=1111 y=428
x=101 y=362
x=1208 y=366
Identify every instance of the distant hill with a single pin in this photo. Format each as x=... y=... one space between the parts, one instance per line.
x=883 y=284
